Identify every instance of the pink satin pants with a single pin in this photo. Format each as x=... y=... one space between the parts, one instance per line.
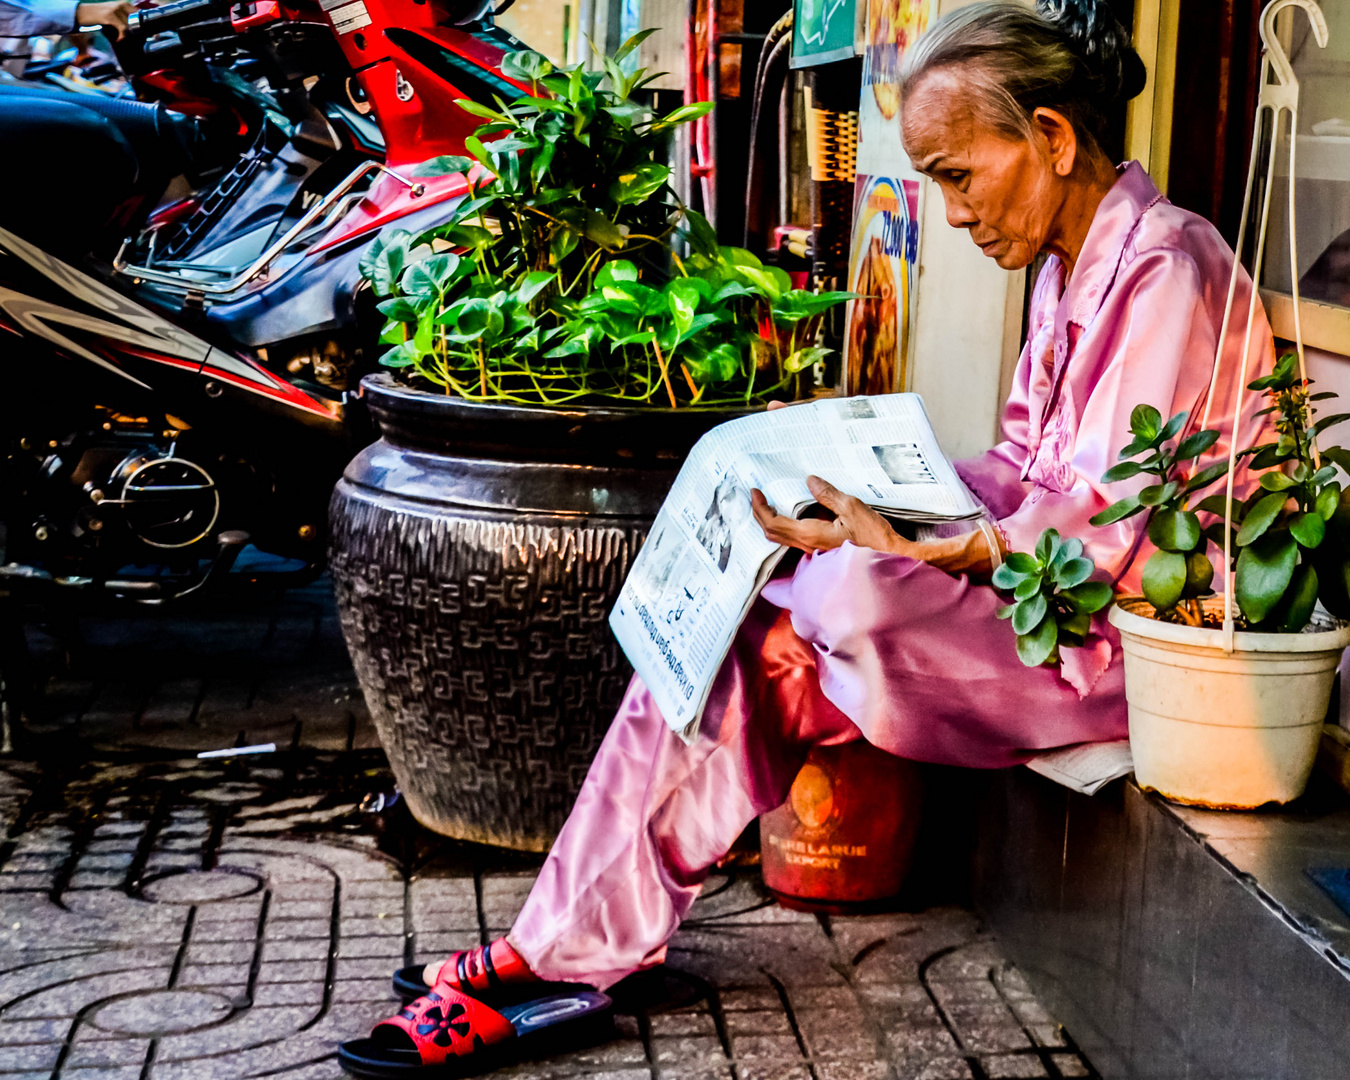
x=654 y=814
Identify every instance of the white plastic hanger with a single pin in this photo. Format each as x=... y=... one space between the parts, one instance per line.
x=1278 y=94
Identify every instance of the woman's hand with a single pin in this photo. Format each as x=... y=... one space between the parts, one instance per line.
x=853 y=520
x=971 y=553
x=111 y=16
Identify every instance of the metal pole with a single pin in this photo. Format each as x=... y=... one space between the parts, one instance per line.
x=785 y=151
x=714 y=90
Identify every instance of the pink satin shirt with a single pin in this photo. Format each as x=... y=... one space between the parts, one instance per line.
x=915 y=657
x=1138 y=323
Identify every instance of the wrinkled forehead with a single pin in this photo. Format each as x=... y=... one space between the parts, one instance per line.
x=939 y=120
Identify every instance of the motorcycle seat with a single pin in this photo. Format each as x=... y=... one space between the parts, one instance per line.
x=70 y=171
x=157 y=134
x=87 y=164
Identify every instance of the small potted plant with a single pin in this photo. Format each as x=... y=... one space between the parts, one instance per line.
x=1237 y=727
x=553 y=351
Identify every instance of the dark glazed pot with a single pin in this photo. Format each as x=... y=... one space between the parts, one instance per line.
x=477 y=551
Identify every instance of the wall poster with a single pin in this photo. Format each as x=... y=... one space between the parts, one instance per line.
x=823 y=31
x=884 y=254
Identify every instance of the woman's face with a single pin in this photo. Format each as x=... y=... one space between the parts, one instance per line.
x=1006 y=191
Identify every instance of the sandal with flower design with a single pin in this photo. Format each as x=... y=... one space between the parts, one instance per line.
x=494 y=973
x=410 y=982
x=485 y=970
x=449 y=1033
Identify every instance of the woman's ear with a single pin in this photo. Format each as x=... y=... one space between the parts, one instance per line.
x=1061 y=141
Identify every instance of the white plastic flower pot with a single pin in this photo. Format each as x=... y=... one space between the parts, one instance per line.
x=1225 y=730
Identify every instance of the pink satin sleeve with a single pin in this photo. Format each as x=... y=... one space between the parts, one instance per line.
x=1152 y=329
x=996 y=475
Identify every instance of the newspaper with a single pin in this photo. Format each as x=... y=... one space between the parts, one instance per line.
x=706 y=557
x=1087 y=767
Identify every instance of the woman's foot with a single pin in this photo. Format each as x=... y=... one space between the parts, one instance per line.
x=488 y=967
x=496 y=966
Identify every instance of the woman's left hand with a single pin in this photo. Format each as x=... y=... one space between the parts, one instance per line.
x=853 y=520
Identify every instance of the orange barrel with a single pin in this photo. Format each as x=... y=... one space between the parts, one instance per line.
x=845 y=837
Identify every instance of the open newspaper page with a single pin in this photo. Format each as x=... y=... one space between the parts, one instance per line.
x=706 y=558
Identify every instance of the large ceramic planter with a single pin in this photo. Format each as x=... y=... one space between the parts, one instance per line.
x=1230 y=731
x=476 y=553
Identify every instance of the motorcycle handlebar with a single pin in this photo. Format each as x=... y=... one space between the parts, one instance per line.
x=171 y=16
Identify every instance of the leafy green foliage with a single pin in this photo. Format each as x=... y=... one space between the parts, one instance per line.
x=1180 y=569
x=1053 y=597
x=1292 y=540
x=1291 y=536
x=556 y=281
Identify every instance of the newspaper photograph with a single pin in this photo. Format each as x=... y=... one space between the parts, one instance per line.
x=706 y=558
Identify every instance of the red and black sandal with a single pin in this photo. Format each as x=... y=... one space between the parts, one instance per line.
x=473 y=971
x=410 y=982
x=449 y=1033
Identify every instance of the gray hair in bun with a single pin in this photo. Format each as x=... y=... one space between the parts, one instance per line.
x=1072 y=56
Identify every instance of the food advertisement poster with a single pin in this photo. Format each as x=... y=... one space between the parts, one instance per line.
x=883 y=258
x=883 y=262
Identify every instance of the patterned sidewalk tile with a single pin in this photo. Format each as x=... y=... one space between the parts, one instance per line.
x=227 y=920
x=180 y=920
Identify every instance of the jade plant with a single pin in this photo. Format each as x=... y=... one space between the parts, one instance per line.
x=1180 y=572
x=1053 y=597
x=1291 y=536
x=559 y=279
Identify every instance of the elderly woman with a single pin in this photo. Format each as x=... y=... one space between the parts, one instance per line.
x=875 y=636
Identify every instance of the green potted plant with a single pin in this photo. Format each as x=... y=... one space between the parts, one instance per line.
x=1238 y=726
x=552 y=351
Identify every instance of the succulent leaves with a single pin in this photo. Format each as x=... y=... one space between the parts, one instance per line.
x=1053 y=597
x=1180 y=569
x=1292 y=539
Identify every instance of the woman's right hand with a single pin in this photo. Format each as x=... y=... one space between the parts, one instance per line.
x=111 y=16
x=852 y=520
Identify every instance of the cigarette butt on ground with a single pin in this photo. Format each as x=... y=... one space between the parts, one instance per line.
x=236 y=751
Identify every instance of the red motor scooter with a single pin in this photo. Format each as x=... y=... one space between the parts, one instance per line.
x=185 y=323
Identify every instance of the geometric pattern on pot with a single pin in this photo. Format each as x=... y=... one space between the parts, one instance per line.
x=482 y=643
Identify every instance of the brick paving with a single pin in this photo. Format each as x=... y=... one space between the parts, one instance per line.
x=237 y=672
x=175 y=919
